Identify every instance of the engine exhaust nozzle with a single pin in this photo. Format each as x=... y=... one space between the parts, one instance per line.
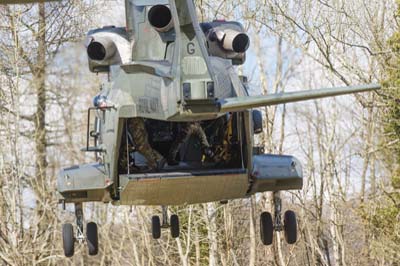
x=160 y=18
x=101 y=48
x=235 y=41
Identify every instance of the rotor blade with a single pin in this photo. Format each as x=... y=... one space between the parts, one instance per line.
x=241 y=103
x=5 y=2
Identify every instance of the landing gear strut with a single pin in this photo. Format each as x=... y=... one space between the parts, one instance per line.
x=173 y=224
x=269 y=225
x=69 y=238
x=79 y=222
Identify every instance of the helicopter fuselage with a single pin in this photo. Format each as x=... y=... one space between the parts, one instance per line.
x=167 y=69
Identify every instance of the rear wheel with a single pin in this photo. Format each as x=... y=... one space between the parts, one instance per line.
x=174 y=226
x=266 y=228
x=155 y=227
x=92 y=238
x=290 y=227
x=68 y=240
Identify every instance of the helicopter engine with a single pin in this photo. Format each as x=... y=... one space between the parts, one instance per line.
x=160 y=18
x=226 y=39
x=107 y=46
x=101 y=48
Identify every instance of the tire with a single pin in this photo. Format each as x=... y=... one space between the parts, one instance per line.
x=266 y=228
x=174 y=221
x=68 y=240
x=92 y=238
x=156 y=227
x=290 y=227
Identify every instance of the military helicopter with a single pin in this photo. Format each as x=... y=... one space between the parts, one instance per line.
x=166 y=73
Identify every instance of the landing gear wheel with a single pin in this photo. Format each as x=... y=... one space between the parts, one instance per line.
x=155 y=227
x=290 y=227
x=174 y=223
x=68 y=240
x=92 y=238
x=266 y=228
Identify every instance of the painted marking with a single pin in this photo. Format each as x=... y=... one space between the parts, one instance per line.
x=190 y=48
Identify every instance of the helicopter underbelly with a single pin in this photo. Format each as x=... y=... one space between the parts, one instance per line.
x=177 y=188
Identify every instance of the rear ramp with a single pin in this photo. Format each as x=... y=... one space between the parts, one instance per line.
x=183 y=187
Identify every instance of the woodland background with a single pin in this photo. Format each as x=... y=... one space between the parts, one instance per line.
x=349 y=208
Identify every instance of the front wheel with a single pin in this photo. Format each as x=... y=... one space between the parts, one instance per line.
x=266 y=228
x=290 y=227
x=92 y=238
x=174 y=226
x=155 y=227
x=68 y=240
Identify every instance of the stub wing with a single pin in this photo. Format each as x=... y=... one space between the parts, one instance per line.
x=236 y=104
x=4 y=2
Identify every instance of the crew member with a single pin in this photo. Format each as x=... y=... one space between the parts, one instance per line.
x=136 y=127
x=189 y=129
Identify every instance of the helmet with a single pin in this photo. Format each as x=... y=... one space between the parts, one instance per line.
x=100 y=101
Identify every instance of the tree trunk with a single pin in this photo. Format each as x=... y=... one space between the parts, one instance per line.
x=212 y=233
x=40 y=115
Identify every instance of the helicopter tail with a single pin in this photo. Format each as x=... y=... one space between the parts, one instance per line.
x=236 y=104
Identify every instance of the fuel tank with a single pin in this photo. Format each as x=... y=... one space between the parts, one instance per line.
x=83 y=183
x=275 y=172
